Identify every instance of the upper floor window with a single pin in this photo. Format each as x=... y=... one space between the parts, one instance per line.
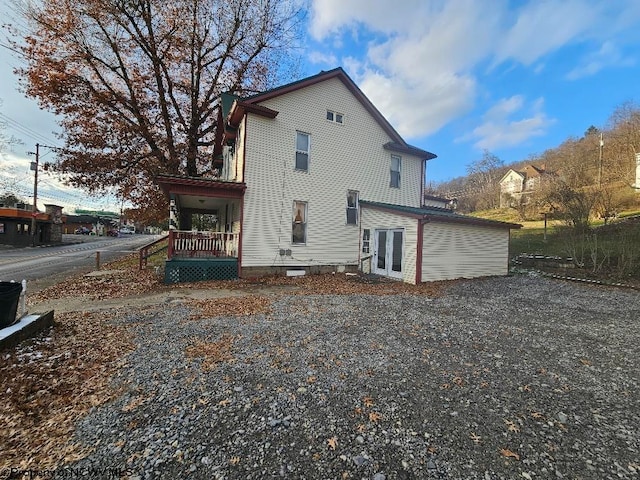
x=335 y=117
x=302 y=151
x=352 y=207
x=396 y=164
x=299 y=225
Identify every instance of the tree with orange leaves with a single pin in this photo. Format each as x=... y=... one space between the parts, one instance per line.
x=136 y=83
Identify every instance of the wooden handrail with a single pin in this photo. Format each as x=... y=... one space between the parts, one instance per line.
x=144 y=251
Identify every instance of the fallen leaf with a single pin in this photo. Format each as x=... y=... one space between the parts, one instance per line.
x=368 y=402
x=512 y=427
x=374 y=417
x=505 y=452
x=476 y=438
x=332 y=442
x=234 y=460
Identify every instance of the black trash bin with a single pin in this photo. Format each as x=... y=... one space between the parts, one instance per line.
x=9 y=298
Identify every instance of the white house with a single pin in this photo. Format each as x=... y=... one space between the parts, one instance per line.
x=517 y=186
x=313 y=177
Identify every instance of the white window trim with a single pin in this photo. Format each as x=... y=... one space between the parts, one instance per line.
x=305 y=222
x=335 y=114
x=308 y=152
x=399 y=171
x=356 y=208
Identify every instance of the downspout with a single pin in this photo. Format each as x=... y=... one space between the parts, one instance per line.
x=240 y=236
x=421 y=223
x=244 y=166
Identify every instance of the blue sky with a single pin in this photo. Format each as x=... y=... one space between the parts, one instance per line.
x=454 y=77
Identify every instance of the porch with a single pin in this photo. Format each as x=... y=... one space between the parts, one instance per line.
x=195 y=256
x=204 y=241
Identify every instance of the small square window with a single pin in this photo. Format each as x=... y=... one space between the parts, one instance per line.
x=335 y=117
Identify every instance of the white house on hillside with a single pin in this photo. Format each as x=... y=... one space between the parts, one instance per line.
x=313 y=177
x=517 y=186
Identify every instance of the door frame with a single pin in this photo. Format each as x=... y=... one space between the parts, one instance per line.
x=388 y=271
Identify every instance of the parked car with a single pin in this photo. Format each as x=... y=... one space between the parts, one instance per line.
x=127 y=230
x=82 y=231
x=112 y=232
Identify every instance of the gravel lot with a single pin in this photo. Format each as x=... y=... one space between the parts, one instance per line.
x=501 y=378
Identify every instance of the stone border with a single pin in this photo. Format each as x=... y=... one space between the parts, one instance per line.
x=27 y=327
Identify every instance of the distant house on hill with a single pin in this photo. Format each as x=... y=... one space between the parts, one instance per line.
x=439 y=202
x=516 y=186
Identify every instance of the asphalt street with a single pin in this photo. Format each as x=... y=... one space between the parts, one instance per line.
x=41 y=265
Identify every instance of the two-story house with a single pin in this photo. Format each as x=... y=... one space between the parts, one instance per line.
x=517 y=185
x=313 y=178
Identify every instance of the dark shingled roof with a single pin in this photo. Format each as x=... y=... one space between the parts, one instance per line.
x=435 y=214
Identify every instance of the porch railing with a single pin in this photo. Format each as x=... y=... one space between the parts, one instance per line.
x=202 y=244
x=152 y=249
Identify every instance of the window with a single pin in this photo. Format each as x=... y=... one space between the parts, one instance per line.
x=396 y=163
x=366 y=240
x=299 y=225
x=302 y=151
x=335 y=117
x=352 y=207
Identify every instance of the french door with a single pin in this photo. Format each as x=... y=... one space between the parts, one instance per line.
x=388 y=253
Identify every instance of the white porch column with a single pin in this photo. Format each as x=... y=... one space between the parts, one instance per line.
x=173 y=218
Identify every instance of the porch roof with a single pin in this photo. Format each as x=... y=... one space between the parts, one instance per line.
x=199 y=194
x=435 y=214
x=199 y=186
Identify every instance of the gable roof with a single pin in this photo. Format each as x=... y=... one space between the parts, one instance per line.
x=511 y=170
x=435 y=214
x=397 y=144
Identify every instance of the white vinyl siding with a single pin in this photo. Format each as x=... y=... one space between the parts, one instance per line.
x=376 y=220
x=351 y=157
x=453 y=250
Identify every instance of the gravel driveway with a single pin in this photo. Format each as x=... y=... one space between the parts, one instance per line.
x=501 y=378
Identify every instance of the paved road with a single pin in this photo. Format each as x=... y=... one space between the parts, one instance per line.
x=42 y=265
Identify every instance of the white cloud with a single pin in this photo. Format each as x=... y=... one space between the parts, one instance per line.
x=608 y=56
x=505 y=125
x=424 y=58
x=323 y=58
x=541 y=27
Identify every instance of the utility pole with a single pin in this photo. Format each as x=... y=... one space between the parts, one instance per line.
x=600 y=161
x=34 y=209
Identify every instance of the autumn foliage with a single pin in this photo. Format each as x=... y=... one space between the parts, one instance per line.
x=137 y=82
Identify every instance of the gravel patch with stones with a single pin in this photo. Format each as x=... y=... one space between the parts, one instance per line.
x=501 y=378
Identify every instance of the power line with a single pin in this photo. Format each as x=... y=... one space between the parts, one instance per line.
x=24 y=130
